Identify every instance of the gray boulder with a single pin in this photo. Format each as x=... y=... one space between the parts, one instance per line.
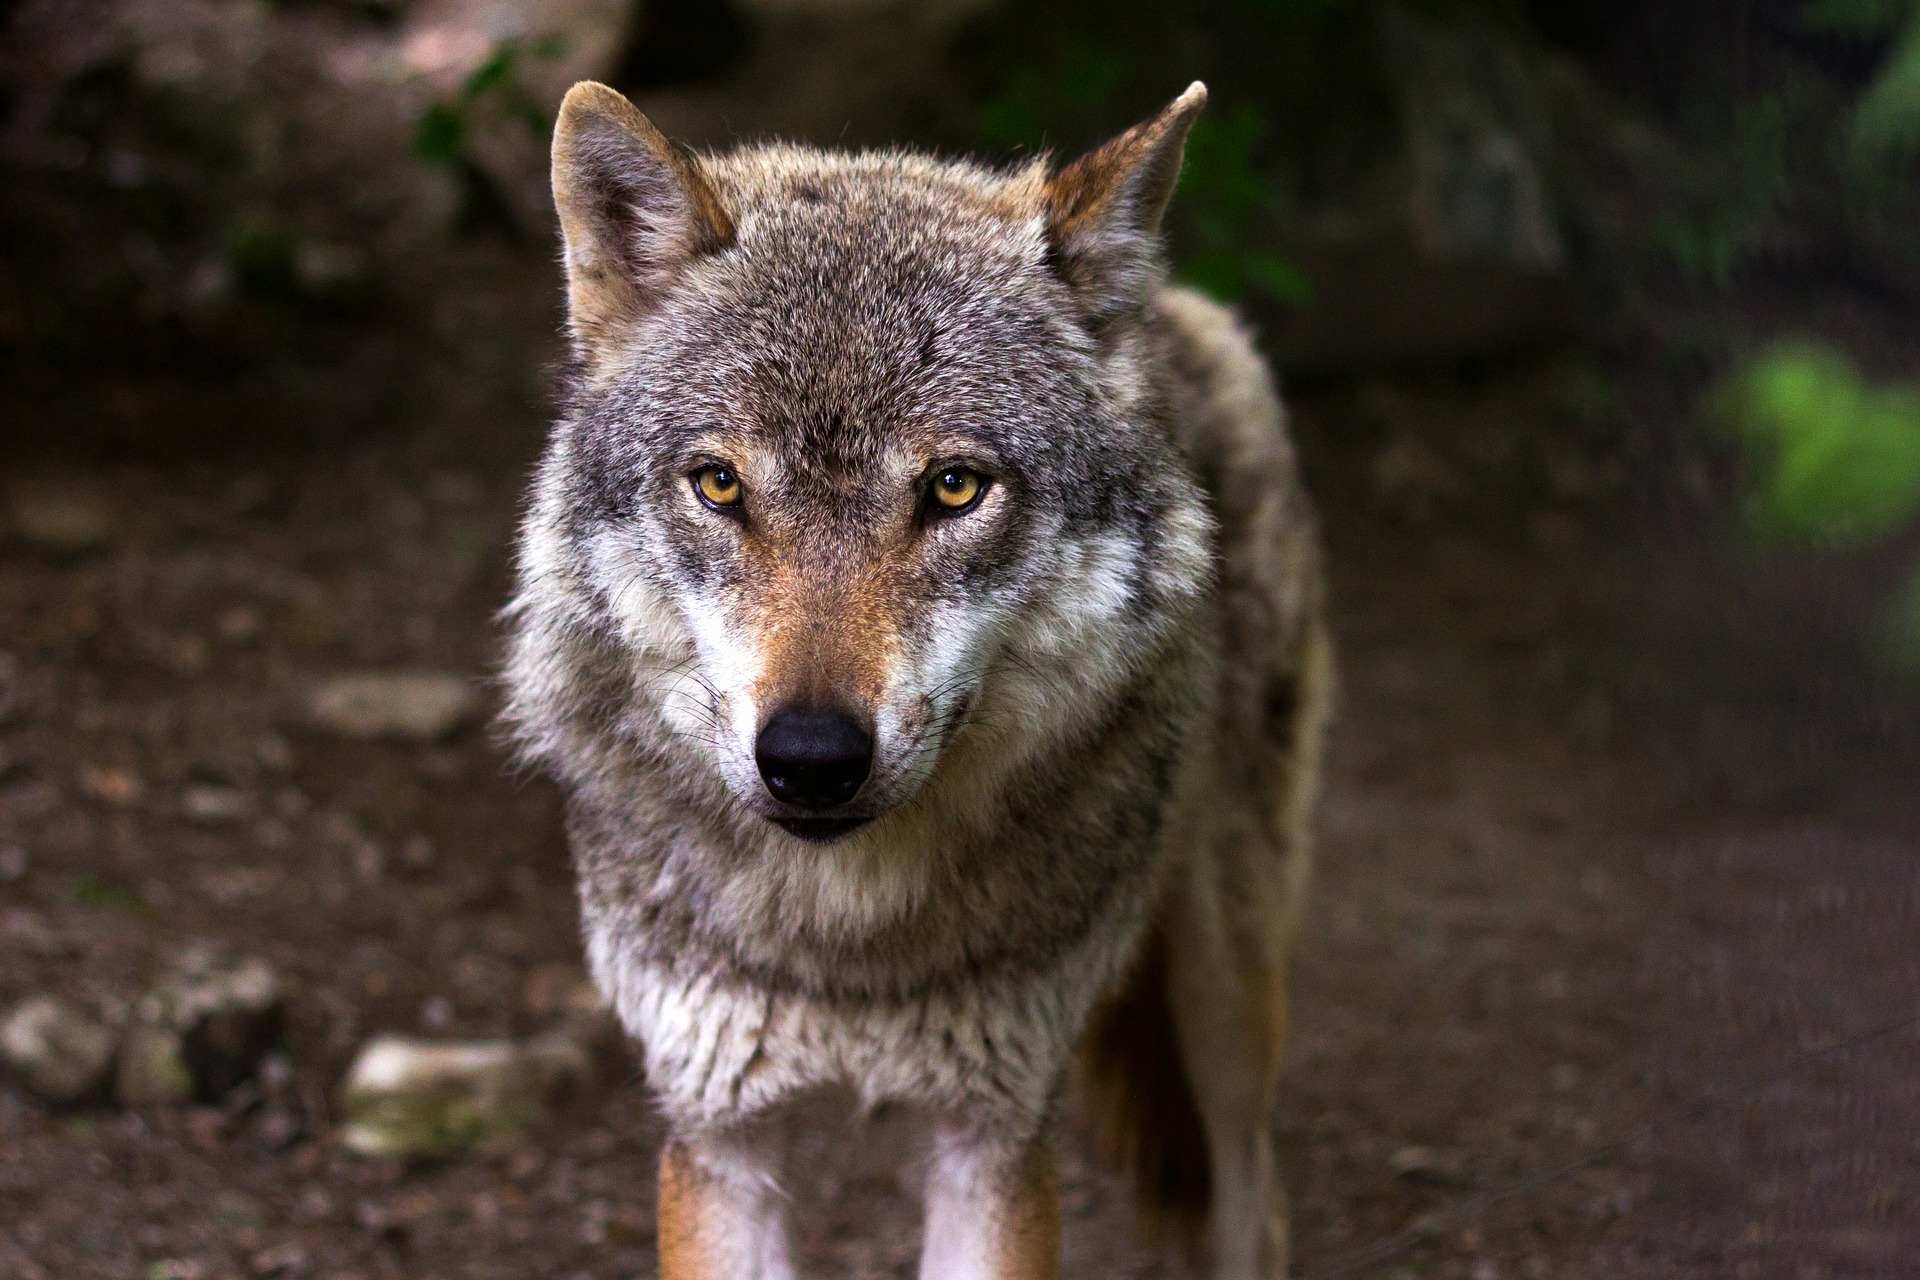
x=60 y=1053
x=408 y=1098
x=201 y=1033
x=414 y=706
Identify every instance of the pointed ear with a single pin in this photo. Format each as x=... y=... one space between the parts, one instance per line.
x=634 y=209
x=1104 y=209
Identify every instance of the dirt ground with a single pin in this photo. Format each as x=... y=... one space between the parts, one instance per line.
x=1619 y=842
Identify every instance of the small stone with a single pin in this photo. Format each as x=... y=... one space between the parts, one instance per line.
x=281 y=1260
x=24 y=928
x=214 y=805
x=177 y=1269
x=62 y=514
x=406 y=1098
x=118 y=787
x=1416 y=1162
x=414 y=706
x=202 y=1033
x=58 y=1052
x=13 y=863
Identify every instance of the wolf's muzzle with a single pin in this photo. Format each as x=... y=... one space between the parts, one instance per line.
x=813 y=759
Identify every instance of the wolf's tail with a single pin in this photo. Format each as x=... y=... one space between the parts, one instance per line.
x=1142 y=1102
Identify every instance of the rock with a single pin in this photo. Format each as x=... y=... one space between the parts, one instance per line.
x=415 y=706
x=152 y=1068
x=61 y=514
x=117 y=787
x=13 y=863
x=408 y=1098
x=58 y=1052
x=214 y=805
x=201 y=1033
x=24 y=928
x=1417 y=1164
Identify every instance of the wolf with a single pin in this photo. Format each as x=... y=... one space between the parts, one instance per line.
x=920 y=610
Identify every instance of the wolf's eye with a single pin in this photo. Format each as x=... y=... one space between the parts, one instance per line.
x=956 y=489
x=718 y=487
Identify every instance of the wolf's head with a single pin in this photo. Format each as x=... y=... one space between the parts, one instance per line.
x=864 y=450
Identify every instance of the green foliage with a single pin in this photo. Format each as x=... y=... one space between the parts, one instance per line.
x=1836 y=464
x=1726 y=209
x=1838 y=459
x=1070 y=91
x=1224 y=201
x=1855 y=17
x=1885 y=128
x=1886 y=123
x=492 y=88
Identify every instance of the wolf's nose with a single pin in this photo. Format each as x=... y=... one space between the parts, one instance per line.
x=813 y=759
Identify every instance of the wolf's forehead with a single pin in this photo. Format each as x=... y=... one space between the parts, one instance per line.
x=849 y=325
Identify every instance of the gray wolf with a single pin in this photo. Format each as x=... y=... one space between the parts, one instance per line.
x=920 y=609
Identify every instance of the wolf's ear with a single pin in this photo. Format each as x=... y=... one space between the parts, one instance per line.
x=1104 y=209
x=633 y=209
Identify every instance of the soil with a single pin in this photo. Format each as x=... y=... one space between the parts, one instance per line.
x=1619 y=841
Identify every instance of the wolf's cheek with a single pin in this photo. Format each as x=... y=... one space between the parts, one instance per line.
x=933 y=681
x=729 y=665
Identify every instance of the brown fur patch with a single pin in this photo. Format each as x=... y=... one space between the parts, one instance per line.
x=826 y=638
x=1137 y=1089
x=1030 y=1244
x=1131 y=176
x=686 y=1251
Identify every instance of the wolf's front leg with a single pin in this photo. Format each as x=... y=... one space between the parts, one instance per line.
x=993 y=1210
x=722 y=1214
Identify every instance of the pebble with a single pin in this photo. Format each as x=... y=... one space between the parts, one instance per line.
x=201 y=1033
x=406 y=1097
x=58 y=1052
x=214 y=805
x=13 y=863
x=413 y=706
x=1417 y=1163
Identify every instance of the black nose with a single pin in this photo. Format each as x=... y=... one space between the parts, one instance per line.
x=813 y=759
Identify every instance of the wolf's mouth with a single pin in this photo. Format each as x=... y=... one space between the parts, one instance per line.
x=820 y=830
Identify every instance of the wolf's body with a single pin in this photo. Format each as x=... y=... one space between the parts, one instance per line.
x=1091 y=698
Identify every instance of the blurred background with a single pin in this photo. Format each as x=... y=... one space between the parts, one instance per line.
x=1598 y=323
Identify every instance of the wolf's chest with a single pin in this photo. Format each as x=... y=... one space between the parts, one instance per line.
x=718 y=1051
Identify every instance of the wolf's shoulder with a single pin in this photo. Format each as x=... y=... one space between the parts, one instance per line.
x=1227 y=410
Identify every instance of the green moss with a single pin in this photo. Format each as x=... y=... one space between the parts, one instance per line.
x=1837 y=460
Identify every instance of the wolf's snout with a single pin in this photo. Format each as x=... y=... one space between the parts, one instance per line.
x=813 y=759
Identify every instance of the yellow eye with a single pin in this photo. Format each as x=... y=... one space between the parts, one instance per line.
x=957 y=488
x=717 y=486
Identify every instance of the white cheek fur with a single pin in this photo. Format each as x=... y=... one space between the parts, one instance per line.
x=685 y=657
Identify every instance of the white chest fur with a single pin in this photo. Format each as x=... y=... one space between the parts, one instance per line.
x=718 y=1051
